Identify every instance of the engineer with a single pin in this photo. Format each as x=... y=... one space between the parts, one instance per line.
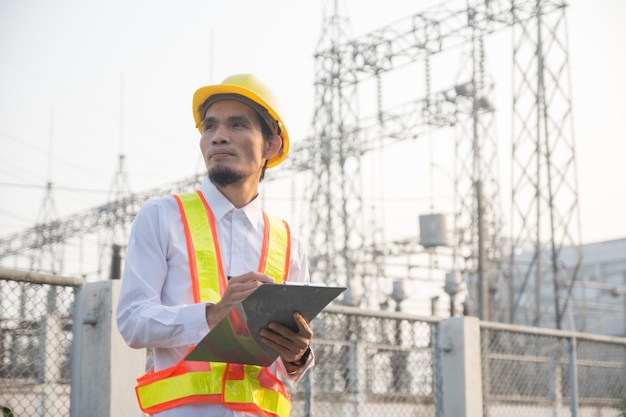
x=192 y=257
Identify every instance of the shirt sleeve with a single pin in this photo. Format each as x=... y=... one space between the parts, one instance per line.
x=298 y=272
x=143 y=319
x=298 y=267
x=298 y=373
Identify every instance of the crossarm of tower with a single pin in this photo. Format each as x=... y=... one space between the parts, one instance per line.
x=429 y=33
x=407 y=121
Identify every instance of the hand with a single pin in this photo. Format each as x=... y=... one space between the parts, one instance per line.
x=238 y=289
x=289 y=344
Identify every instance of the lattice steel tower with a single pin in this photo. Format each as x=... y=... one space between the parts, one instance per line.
x=334 y=164
x=544 y=214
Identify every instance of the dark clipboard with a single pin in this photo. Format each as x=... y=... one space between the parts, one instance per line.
x=236 y=338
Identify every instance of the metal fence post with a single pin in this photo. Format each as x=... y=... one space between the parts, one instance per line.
x=573 y=376
x=76 y=352
x=307 y=394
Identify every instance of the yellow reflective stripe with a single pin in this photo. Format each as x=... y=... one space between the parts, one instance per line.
x=179 y=386
x=249 y=390
x=204 y=247
x=277 y=249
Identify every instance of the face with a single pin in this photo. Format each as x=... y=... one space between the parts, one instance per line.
x=232 y=142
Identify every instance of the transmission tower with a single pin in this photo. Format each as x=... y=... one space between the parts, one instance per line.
x=48 y=258
x=114 y=236
x=77 y=226
x=334 y=164
x=545 y=216
x=478 y=219
x=342 y=136
x=344 y=63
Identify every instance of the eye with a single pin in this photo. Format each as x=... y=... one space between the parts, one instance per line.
x=207 y=126
x=239 y=123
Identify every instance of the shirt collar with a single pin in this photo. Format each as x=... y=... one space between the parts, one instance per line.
x=221 y=206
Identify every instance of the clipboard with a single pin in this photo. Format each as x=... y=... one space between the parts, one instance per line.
x=236 y=338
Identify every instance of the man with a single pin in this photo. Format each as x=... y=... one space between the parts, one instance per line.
x=191 y=258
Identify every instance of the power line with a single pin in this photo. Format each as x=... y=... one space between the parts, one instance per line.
x=81 y=169
x=58 y=188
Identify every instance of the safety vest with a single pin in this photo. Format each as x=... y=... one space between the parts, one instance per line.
x=239 y=387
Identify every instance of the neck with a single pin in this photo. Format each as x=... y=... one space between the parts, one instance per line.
x=239 y=193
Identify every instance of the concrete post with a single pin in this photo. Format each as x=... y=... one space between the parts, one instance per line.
x=53 y=359
x=108 y=367
x=461 y=367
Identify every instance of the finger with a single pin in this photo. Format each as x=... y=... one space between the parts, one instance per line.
x=303 y=325
x=285 y=336
x=243 y=286
x=276 y=341
x=302 y=336
x=288 y=341
x=287 y=348
x=250 y=276
x=240 y=287
x=237 y=292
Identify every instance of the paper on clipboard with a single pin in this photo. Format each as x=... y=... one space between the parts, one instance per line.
x=236 y=339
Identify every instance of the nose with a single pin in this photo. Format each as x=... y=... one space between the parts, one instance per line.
x=220 y=136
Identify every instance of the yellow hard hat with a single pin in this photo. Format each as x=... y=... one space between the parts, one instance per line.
x=253 y=88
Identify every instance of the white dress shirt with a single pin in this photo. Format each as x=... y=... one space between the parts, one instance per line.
x=156 y=307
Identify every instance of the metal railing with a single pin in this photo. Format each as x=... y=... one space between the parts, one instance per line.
x=543 y=372
x=35 y=343
x=368 y=363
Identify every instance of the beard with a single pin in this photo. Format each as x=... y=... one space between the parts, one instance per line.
x=223 y=176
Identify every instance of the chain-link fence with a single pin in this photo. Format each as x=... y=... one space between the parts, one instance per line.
x=367 y=363
x=538 y=372
x=35 y=347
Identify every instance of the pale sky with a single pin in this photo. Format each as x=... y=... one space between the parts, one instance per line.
x=65 y=67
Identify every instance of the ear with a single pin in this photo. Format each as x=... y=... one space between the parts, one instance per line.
x=273 y=146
